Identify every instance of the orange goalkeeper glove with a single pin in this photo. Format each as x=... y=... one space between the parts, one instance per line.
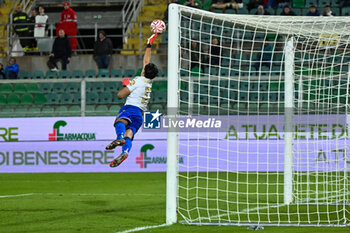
x=151 y=39
x=126 y=82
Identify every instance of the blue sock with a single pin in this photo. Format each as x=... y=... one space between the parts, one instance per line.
x=127 y=146
x=120 y=129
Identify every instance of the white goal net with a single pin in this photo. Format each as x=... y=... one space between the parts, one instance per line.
x=280 y=85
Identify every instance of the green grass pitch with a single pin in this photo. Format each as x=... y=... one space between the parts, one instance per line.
x=97 y=203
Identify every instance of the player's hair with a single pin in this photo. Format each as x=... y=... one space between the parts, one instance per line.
x=151 y=71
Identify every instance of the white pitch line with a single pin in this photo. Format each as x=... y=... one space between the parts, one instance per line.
x=143 y=228
x=17 y=195
x=103 y=194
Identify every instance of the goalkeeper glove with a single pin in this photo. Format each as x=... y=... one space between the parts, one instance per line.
x=151 y=39
x=125 y=82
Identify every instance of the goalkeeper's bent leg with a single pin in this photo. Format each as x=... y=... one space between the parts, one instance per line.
x=120 y=129
x=127 y=146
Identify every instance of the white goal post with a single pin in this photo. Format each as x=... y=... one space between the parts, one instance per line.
x=280 y=87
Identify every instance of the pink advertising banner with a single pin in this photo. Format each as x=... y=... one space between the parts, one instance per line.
x=76 y=144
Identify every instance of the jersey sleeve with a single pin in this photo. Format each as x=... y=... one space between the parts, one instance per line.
x=133 y=84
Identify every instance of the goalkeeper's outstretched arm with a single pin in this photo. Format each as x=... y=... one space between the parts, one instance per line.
x=146 y=60
x=147 y=56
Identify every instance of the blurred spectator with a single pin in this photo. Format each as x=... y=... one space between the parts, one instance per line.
x=215 y=52
x=281 y=3
x=327 y=11
x=166 y=12
x=265 y=58
x=20 y=24
x=68 y=14
x=32 y=45
x=287 y=11
x=313 y=11
x=41 y=25
x=2 y=71
x=68 y=22
x=226 y=4
x=254 y=4
x=184 y=59
x=191 y=3
x=103 y=50
x=261 y=11
x=11 y=70
x=61 y=51
x=344 y=3
x=195 y=61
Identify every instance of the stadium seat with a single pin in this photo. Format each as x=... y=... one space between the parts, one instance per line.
x=40 y=99
x=72 y=87
x=34 y=112
x=165 y=73
x=33 y=88
x=74 y=111
x=90 y=74
x=106 y=97
x=90 y=110
x=58 y=87
x=7 y=112
x=103 y=73
x=234 y=72
x=230 y=11
x=13 y=99
x=224 y=72
x=243 y=10
x=162 y=85
x=113 y=110
x=2 y=100
x=184 y=73
x=47 y=111
x=116 y=100
x=225 y=62
x=77 y=74
x=130 y=73
x=20 y=112
x=27 y=99
x=66 y=98
x=213 y=71
x=116 y=73
x=196 y=71
x=20 y=88
x=64 y=74
x=155 y=107
x=92 y=98
x=273 y=96
x=45 y=88
x=6 y=88
x=77 y=98
x=113 y=86
x=101 y=110
x=24 y=75
x=345 y=11
x=139 y=72
x=51 y=74
x=276 y=86
x=159 y=97
x=38 y=74
x=53 y=98
x=95 y=86
x=61 y=111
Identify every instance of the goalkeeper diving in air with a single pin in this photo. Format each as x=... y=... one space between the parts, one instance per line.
x=138 y=93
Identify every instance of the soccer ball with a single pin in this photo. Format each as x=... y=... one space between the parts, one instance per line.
x=158 y=26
